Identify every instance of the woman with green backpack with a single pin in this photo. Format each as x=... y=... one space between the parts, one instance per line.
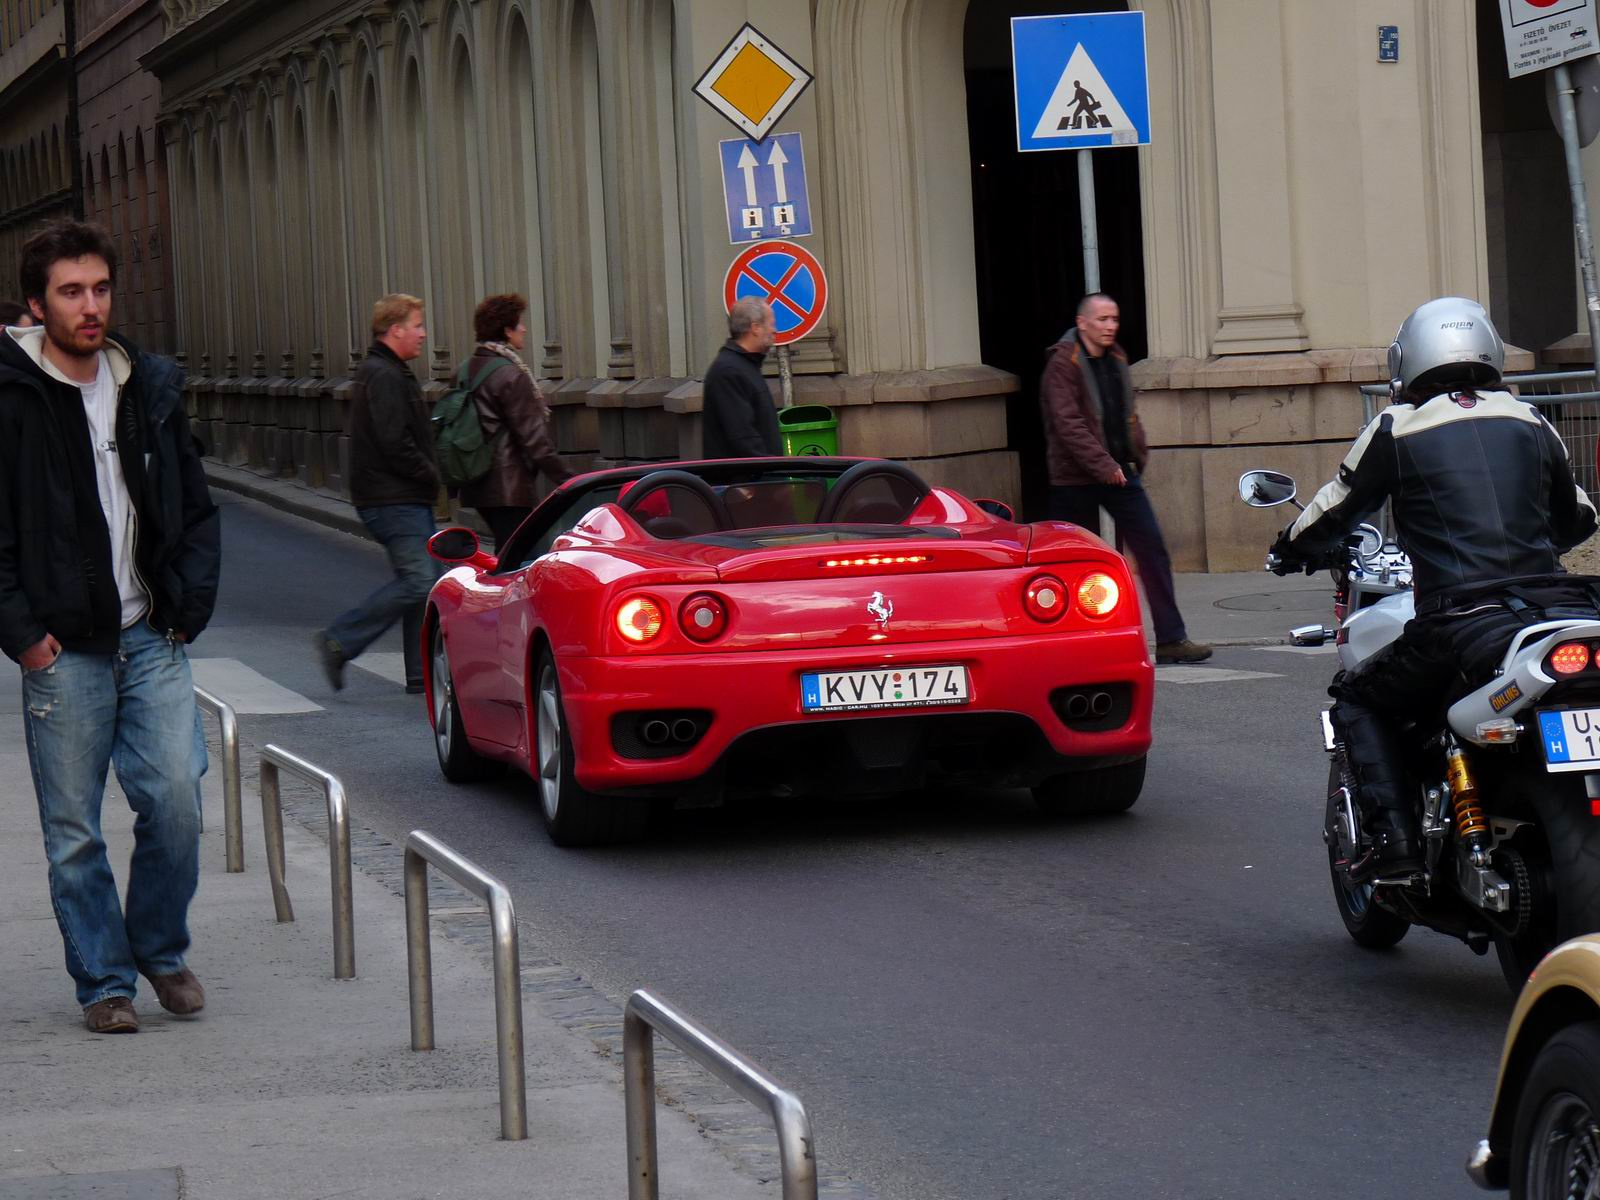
x=514 y=417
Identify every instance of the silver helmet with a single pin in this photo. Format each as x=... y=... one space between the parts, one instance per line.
x=1443 y=332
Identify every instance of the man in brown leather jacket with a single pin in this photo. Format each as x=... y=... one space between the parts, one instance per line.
x=1096 y=452
x=514 y=416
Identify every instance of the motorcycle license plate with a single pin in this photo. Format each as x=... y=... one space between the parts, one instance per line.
x=861 y=691
x=1571 y=739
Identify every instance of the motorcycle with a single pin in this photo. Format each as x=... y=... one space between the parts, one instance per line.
x=1508 y=783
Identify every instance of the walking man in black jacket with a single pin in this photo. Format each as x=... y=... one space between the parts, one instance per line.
x=737 y=414
x=109 y=557
x=394 y=478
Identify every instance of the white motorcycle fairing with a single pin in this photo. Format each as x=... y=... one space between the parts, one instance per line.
x=1370 y=629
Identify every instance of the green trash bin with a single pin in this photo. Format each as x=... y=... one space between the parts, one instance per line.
x=809 y=429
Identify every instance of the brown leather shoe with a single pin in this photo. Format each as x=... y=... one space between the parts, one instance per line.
x=179 y=993
x=1183 y=651
x=114 y=1014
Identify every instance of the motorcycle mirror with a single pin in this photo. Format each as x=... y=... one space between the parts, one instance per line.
x=1266 y=489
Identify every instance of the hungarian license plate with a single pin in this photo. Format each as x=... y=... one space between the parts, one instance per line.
x=1571 y=739
x=907 y=687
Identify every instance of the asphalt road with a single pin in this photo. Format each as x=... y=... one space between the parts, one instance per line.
x=974 y=1003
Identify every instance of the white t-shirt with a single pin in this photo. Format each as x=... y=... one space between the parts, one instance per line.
x=100 y=406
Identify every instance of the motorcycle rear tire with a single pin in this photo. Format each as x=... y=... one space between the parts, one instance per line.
x=1369 y=924
x=1572 y=834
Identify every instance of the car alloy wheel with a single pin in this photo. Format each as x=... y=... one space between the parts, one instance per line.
x=1564 y=1159
x=548 y=745
x=439 y=687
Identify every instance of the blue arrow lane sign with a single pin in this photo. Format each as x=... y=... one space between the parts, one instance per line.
x=1081 y=81
x=764 y=184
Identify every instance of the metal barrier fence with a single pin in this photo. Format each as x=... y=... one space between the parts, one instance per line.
x=644 y=1013
x=1569 y=401
x=423 y=848
x=273 y=760
x=232 y=815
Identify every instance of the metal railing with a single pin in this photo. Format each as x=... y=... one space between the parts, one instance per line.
x=273 y=760
x=644 y=1013
x=232 y=814
x=423 y=848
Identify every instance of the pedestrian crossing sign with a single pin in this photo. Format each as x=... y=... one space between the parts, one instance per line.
x=1081 y=81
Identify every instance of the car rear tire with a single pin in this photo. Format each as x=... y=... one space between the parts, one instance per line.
x=459 y=762
x=1095 y=793
x=1365 y=920
x=1555 y=1138
x=573 y=816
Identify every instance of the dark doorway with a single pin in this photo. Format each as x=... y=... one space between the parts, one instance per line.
x=1533 y=267
x=1028 y=236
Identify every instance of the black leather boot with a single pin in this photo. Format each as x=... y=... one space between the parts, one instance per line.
x=1390 y=845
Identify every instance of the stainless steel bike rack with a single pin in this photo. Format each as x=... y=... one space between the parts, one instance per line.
x=423 y=848
x=645 y=1013
x=273 y=760
x=232 y=818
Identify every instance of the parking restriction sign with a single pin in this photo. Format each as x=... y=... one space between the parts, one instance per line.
x=786 y=276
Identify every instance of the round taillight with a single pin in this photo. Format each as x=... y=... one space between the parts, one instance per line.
x=1045 y=598
x=1569 y=658
x=640 y=618
x=703 y=617
x=1098 y=594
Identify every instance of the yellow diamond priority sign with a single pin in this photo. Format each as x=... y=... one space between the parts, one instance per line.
x=753 y=83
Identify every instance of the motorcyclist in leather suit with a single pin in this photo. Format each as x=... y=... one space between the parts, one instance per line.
x=1484 y=501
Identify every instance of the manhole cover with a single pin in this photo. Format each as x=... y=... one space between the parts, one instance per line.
x=1306 y=601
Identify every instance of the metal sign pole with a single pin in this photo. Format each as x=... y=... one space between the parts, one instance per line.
x=1091 y=234
x=1580 y=205
x=786 y=376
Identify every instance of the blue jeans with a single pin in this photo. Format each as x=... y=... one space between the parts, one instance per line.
x=403 y=530
x=135 y=710
x=1137 y=528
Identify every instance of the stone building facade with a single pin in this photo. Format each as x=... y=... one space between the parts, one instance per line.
x=35 y=159
x=1299 y=197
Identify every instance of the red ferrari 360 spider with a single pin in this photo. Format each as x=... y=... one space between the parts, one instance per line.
x=783 y=626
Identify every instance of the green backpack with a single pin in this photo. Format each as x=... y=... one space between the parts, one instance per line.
x=464 y=454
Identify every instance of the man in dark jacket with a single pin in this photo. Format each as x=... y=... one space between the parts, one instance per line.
x=394 y=479
x=738 y=417
x=109 y=558
x=1096 y=452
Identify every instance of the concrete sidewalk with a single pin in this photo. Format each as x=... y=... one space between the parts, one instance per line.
x=291 y=1084
x=1247 y=608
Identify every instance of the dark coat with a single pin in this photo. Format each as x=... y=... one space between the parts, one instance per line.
x=391 y=442
x=512 y=412
x=56 y=572
x=739 y=420
x=1074 y=431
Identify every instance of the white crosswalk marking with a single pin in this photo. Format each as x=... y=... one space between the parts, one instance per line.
x=1330 y=648
x=1208 y=675
x=246 y=689
x=385 y=664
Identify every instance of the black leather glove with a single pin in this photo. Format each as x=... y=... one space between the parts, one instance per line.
x=1283 y=558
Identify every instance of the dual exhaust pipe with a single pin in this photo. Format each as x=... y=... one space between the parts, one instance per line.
x=1083 y=705
x=657 y=732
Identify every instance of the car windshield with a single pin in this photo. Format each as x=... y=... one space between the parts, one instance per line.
x=745 y=503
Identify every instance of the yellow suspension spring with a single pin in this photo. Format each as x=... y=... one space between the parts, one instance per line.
x=1471 y=825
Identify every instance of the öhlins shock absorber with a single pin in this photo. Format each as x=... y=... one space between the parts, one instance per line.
x=1471 y=825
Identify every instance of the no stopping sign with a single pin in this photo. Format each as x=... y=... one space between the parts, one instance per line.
x=786 y=276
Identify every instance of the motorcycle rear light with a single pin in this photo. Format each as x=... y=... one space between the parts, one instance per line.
x=876 y=560
x=1569 y=658
x=640 y=618
x=703 y=618
x=1098 y=594
x=1045 y=598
